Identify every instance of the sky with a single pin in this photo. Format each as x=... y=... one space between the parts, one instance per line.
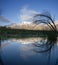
x=18 y=11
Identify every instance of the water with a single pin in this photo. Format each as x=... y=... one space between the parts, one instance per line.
x=25 y=52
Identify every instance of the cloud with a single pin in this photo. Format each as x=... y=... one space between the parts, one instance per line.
x=27 y=14
x=2 y=19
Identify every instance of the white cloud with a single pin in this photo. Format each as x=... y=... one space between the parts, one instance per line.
x=26 y=14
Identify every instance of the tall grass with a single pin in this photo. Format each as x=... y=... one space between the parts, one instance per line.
x=46 y=19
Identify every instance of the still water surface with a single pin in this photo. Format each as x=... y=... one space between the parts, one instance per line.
x=24 y=52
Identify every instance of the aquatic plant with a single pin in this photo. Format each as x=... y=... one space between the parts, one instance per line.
x=46 y=18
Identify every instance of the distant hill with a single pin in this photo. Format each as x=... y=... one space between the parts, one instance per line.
x=29 y=26
x=57 y=26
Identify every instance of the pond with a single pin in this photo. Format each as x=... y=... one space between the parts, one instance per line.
x=25 y=51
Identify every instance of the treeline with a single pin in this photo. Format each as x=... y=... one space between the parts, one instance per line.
x=23 y=32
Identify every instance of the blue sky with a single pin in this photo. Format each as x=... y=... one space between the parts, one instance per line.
x=22 y=10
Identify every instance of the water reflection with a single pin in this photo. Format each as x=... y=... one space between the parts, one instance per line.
x=28 y=51
x=1 y=62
